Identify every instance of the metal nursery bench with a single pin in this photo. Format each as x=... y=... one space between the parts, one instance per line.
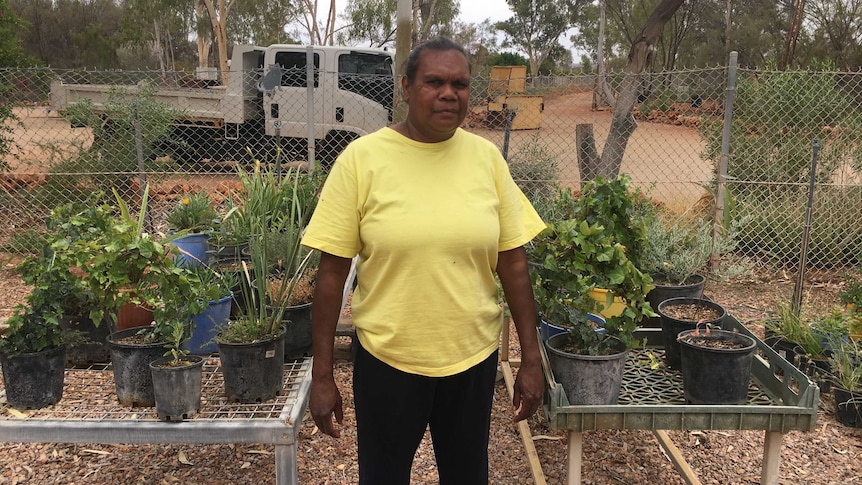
x=89 y=413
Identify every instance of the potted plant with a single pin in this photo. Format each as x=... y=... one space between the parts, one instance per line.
x=251 y=346
x=176 y=295
x=716 y=365
x=177 y=377
x=806 y=341
x=675 y=251
x=84 y=339
x=32 y=353
x=681 y=314
x=846 y=371
x=192 y=219
x=117 y=260
x=568 y=260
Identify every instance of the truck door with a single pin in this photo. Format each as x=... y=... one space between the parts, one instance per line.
x=288 y=102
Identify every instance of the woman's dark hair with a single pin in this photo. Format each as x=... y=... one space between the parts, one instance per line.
x=436 y=44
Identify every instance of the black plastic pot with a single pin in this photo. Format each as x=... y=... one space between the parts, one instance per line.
x=34 y=380
x=716 y=375
x=297 y=326
x=90 y=346
x=848 y=407
x=671 y=327
x=133 y=380
x=177 y=390
x=692 y=288
x=587 y=379
x=253 y=372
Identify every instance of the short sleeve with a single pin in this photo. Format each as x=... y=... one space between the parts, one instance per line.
x=334 y=226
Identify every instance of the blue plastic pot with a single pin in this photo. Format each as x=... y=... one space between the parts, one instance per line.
x=206 y=327
x=193 y=249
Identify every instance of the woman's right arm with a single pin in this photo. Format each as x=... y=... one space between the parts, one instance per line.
x=325 y=399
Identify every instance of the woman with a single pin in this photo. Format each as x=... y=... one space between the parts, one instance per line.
x=433 y=213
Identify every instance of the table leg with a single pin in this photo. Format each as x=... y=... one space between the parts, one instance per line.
x=285 y=465
x=771 y=457
x=576 y=448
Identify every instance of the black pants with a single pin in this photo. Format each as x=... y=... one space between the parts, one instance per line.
x=393 y=409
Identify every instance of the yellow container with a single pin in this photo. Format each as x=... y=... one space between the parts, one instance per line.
x=616 y=308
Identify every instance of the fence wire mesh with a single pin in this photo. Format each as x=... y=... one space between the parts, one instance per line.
x=183 y=134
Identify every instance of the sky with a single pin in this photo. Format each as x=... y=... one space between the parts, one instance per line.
x=476 y=11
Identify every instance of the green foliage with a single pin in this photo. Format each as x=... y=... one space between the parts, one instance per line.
x=176 y=334
x=534 y=169
x=845 y=361
x=113 y=155
x=660 y=100
x=193 y=213
x=775 y=225
x=851 y=294
x=812 y=335
x=616 y=207
x=776 y=117
x=675 y=247
x=578 y=253
x=508 y=59
x=32 y=329
x=274 y=211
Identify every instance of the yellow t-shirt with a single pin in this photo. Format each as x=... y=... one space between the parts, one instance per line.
x=427 y=220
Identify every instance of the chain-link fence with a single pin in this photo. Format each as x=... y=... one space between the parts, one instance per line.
x=182 y=132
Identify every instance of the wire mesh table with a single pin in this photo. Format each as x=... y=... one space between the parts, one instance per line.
x=90 y=413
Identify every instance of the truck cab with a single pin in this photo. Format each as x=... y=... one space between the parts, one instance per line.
x=351 y=94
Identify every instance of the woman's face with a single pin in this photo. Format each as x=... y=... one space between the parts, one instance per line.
x=438 y=96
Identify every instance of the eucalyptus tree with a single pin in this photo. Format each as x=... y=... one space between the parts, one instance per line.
x=262 y=22
x=374 y=20
x=536 y=26
x=836 y=27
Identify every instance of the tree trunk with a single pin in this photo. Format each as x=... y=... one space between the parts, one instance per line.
x=588 y=157
x=623 y=124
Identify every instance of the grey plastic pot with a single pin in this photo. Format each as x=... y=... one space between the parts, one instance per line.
x=133 y=380
x=587 y=379
x=177 y=390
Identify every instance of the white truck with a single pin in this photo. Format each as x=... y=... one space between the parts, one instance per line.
x=267 y=98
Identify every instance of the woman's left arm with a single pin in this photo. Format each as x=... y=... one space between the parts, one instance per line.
x=515 y=278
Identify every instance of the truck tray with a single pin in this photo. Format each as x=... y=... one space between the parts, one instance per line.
x=780 y=397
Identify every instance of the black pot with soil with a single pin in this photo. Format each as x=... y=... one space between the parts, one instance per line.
x=130 y=360
x=680 y=314
x=692 y=287
x=716 y=366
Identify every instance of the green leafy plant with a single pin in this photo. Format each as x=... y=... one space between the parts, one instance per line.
x=675 y=248
x=193 y=213
x=176 y=335
x=32 y=327
x=578 y=253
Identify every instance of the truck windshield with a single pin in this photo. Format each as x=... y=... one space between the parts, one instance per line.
x=368 y=75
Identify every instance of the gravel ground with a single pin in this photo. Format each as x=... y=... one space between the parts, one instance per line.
x=831 y=454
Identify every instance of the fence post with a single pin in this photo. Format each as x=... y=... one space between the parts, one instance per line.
x=309 y=105
x=718 y=218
